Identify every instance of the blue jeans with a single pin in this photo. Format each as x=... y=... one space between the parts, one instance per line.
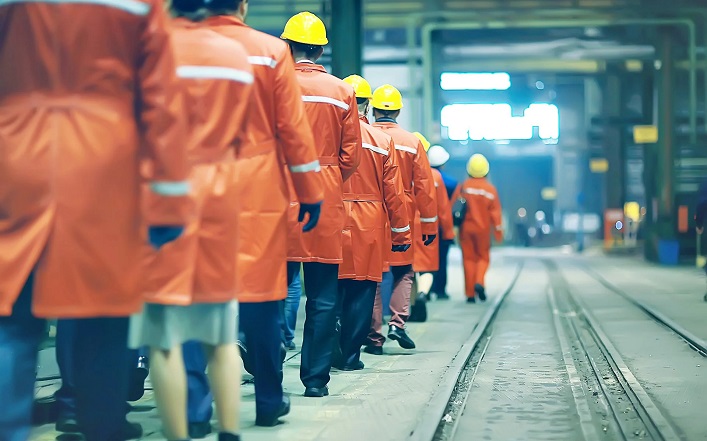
x=199 y=397
x=290 y=305
x=387 y=292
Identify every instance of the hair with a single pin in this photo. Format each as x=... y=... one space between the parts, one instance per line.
x=308 y=50
x=387 y=113
x=197 y=10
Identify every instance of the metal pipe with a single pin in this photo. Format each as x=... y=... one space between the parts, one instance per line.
x=431 y=27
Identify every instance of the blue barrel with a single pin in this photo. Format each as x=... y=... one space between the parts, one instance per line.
x=668 y=252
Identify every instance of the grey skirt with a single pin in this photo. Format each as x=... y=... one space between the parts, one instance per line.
x=166 y=326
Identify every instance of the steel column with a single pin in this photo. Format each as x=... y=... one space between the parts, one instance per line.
x=346 y=37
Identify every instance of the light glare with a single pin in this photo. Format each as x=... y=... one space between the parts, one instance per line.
x=475 y=81
x=496 y=122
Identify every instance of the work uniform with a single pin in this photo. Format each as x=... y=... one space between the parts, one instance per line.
x=277 y=134
x=482 y=213
x=87 y=90
x=419 y=190
x=426 y=258
x=373 y=199
x=333 y=116
x=439 y=283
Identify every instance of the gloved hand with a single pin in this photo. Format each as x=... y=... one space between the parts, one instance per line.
x=428 y=238
x=314 y=211
x=400 y=248
x=159 y=235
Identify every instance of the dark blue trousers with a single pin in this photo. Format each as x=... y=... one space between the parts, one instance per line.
x=439 y=282
x=199 y=397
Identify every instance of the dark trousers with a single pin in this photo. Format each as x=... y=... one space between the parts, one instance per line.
x=199 y=397
x=260 y=325
x=101 y=363
x=321 y=285
x=439 y=282
x=356 y=298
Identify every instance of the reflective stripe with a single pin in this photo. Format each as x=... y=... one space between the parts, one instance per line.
x=304 y=168
x=401 y=230
x=406 y=148
x=262 y=61
x=479 y=192
x=436 y=184
x=375 y=149
x=164 y=188
x=131 y=6
x=428 y=220
x=215 y=73
x=325 y=100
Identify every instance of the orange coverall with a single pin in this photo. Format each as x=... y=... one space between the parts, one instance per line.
x=427 y=257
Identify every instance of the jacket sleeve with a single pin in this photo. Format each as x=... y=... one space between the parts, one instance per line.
x=496 y=215
x=350 y=151
x=294 y=134
x=393 y=195
x=444 y=210
x=425 y=193
x=163 y=123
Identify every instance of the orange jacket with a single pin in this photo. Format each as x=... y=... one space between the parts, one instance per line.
x=79 y=109
x=277 y=131
x=333 y=115
x=427 y=257
x=418 y=185
x=373 y=199
x=483 y=209
x=200 y=266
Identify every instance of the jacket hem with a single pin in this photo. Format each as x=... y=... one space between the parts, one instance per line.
x=71 y=312
x=360 y=278
x=261 y=297
x=315 y=260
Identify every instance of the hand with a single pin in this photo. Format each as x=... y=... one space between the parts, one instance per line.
x=428 y=239
x=400 y=248
x=314 y=211
x=160 y=235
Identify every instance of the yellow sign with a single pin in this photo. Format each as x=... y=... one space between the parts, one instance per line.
x=645 y=134
x=632 y=211
x=548 y=193
x=598 y=165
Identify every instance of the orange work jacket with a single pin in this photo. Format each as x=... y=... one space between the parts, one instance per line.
x=87 y=91
x=418 y=185
x=200 y=266
x=483 y=209
x=333 y=115
x=373 y=199
x=277 y=133
x=427 y=257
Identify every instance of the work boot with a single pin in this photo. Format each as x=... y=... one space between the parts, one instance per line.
x=373 y=350
x=418 y=311
x=200 y=429
x=316 y=392
x=274 y=419
x=67 y=425
x=480 y=291
x=399 y=335
x=443 y=296
x=225 y=436
x=470 y=300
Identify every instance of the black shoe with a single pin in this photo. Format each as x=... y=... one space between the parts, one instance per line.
x=373 y=350
x=470 y=300
x=480 y=291
x=131 y=430
x=705 y=298
x=418 y=312
x=136 y=388
x=45 y=411
x=274 y=420
x=199 y=429
x=247 y=362
x=316 y=392
x=290 y=346
x=399 y=335
x=351 y=367
x=67 y=425
x=283 y=352
x=443 y=296
x=224 y=436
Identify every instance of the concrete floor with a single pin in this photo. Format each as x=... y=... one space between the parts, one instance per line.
x=522 y=389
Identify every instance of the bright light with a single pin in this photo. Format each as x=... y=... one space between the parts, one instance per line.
x=496 y=122
x=475 y=81
x=619 y=225
x=539 y=85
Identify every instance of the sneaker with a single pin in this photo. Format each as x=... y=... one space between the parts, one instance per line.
x=399 y=335
x=373 y=350
x=290 y=346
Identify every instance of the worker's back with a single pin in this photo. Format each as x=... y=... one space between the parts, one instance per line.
x=83 y=87
x=483 y=208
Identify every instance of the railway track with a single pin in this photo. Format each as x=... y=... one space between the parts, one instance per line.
x=610 y=403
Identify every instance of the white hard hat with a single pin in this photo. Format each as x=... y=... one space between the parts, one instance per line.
x=437 y=155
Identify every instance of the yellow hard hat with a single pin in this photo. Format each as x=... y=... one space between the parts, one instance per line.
x=360 y=85
x=305 y=28
x=425 y=143
x=387 y=97
x=478 y=166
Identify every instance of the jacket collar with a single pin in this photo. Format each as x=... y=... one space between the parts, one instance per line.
x=363 y=118
x=222 y=20
x=304 y=65
x=386 y=121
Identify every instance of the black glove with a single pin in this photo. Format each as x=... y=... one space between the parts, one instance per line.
x=314 y=211
x=429 y=238
x=400 y=248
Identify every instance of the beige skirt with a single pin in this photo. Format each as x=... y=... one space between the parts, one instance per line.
x=166 y=326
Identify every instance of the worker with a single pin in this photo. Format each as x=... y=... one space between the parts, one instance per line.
x=418 y=185
x=374 y=192
x=77 y=115
x=438 y=157
x=333 y=116
x=278 y=138
x=426 y=259
x=483 y=212
x=700 y=215
x=190 y=286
